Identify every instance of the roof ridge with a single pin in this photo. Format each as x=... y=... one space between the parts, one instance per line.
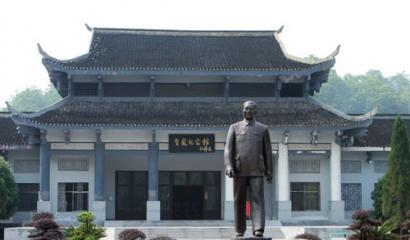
x=181 y=32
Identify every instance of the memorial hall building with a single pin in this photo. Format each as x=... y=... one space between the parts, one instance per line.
x=141 y=129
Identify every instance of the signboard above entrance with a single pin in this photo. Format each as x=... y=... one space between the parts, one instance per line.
x=190 y=143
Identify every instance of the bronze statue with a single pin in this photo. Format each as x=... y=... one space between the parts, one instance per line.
x=248 y=158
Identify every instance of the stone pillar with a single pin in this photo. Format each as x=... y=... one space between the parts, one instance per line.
x=153 y=204
x=228 y=205
x=44 y=205
x=284 y=203
x=98 y=205
x=336 y=205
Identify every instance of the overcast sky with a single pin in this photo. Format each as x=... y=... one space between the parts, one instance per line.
x=374 y=34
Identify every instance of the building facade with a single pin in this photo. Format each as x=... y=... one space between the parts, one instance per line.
x=140 y=132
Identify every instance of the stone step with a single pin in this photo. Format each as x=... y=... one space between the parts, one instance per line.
x=201 y=232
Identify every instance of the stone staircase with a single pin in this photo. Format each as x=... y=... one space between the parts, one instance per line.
x=192 y=229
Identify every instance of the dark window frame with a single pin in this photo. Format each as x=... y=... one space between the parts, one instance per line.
x=246 y=89
x=26 y=193
x=85 y=89
x=304 y=194
x=292 y=90
x=126 y=89
x=175 y=89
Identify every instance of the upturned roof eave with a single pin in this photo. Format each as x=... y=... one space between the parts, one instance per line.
x=62 y=66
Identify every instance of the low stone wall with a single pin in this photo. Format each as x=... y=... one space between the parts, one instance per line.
x=16 y=233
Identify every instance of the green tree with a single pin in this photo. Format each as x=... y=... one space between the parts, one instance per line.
x=8 y=191
x=395 y=196
x=361 y=93
x=34 y=98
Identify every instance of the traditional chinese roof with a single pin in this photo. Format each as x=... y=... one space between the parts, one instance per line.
x=380 y=131
x=135 y=50
x=9 y=138
x=93 y=112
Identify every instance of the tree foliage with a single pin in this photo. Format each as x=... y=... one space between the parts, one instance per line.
x=377 y=195
x=8 y=191
x=361 y=93
x=33 y=98
x=395 y=196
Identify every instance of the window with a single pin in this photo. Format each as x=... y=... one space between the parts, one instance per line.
x=26 y=166
x=127 y=89
x=352 y=195
x=305 y=196
x=351 y=166
x=72 y=197
x=28 y=196
x=189 y=90
x=304 y=166
x=380 y=166
x=85 y=89
x=251 y=89
x=291 y=90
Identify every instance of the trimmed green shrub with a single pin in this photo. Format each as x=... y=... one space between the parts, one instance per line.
x=87 y=230
x=377 y=199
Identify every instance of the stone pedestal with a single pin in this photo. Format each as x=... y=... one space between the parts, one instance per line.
x=284 y=211
x=336 y=211
x=228 y=211
x=43 y=206
x=98 y=208
x=153 y=210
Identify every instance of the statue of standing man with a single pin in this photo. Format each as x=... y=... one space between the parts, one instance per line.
x=248 y=159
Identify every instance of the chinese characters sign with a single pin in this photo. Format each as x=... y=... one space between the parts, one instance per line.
x=189 y=143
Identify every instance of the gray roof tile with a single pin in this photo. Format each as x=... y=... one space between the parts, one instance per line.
x=168 y=50
x=279 y=114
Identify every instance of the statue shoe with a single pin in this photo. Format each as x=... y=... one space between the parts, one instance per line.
x=258 y=233
x=239 y=234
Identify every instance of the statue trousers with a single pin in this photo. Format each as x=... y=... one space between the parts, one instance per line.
x=257 y=201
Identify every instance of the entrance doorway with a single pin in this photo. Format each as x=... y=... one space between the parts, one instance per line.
x=131 y=195
x=190 y=195
x=188 y=202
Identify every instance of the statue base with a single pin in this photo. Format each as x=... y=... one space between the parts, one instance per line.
x=251 y=238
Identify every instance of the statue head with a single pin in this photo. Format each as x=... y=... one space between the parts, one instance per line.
x=249 y=110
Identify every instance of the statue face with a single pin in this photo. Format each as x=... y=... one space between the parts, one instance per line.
x=249 y=111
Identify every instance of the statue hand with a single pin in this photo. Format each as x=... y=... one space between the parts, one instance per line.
x=229 y=172
x=269 y=178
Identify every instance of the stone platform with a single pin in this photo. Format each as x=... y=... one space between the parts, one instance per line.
x=251 y=238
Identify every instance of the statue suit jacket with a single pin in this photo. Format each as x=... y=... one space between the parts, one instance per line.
x=248 y=149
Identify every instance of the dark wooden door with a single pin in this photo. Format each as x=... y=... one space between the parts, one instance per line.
x=131 y=195
x=188 y=202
